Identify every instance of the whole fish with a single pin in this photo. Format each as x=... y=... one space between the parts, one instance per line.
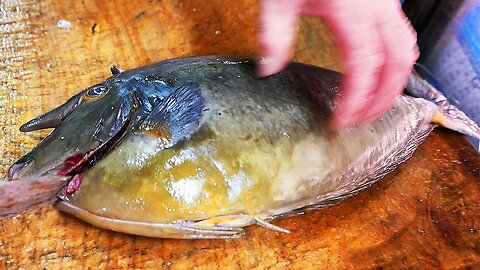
x=200 y=147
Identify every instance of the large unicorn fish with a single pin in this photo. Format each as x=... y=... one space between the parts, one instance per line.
x=200 y=147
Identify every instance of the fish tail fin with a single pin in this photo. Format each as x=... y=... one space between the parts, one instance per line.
x=448 y=115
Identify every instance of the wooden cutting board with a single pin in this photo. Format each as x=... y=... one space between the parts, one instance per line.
x=425 y=215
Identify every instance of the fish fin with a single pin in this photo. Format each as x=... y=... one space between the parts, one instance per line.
x=265 y=224
x=179 y=230
x=176 y=117
x=116 y=70
x=235 y=221
x=322 y=84
x=448 y=115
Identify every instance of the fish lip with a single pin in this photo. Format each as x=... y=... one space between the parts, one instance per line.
x=15 y=170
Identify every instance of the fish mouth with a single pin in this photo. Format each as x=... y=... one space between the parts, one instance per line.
x=81 y=157
x=77 y=163
x=81 y=162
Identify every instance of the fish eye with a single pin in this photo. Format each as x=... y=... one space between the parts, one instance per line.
x=94 y=93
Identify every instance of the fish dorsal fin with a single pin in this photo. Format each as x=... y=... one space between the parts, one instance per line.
x=115 y=70
x=177 y=116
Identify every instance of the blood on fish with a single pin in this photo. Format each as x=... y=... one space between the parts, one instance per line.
x=72 y=162
x=74 y=184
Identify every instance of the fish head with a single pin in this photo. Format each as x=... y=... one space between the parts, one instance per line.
x=87 y=127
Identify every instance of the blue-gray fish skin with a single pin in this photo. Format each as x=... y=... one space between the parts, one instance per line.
x=195 y=147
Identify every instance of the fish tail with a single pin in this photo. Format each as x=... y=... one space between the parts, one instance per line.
x=448 y=115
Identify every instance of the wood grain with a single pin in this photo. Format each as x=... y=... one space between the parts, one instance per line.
x=425 y=215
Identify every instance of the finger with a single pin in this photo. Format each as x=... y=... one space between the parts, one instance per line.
x=278 y=29
x=361 y=52
x=401 y=52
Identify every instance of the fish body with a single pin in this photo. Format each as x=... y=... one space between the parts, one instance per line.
x=200 y=147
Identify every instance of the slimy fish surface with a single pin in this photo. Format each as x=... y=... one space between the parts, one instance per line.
x=201 y=147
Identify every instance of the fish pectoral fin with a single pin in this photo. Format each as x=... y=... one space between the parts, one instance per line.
x=235 y=221
x=176 y=117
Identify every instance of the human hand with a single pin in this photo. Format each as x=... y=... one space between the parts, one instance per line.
x=376 y=42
